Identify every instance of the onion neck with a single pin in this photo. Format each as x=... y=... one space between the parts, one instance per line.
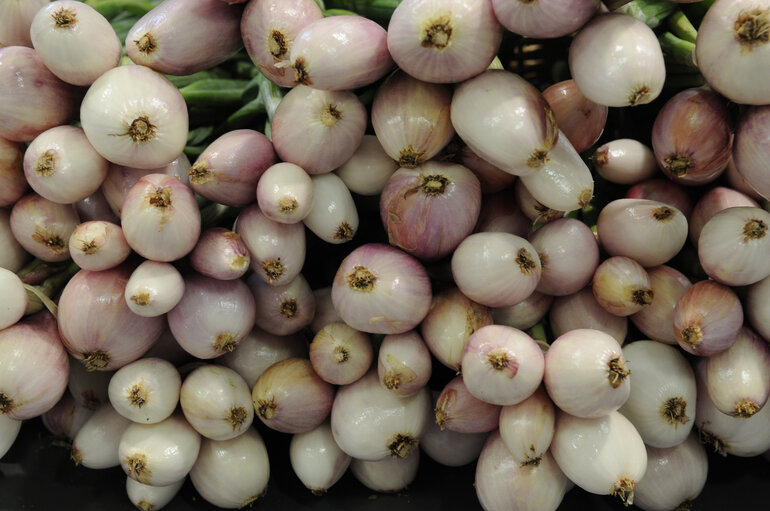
x=642 y=296
x=96 y=360
x=288 y=308
x=46 y=163
x=237 y=416
x=679 y=164
x=225 y=342
x=525 y=261
x=146 y=44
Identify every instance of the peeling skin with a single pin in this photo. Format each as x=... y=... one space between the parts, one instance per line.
x=46 y=164
x=96 y=360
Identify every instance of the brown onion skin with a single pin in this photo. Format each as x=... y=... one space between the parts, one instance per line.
x=32 y=98
x=579 y=118
x=692 y=137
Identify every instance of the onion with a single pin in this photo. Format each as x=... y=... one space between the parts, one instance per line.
x=707 y=318
x=674 y=477
x=527 y=428
x=13 y=183
x=213 y=316
x=159 y=454
x=502 y=483
x=621 y=286
x=285 y=193
x=145 y=391
x=505 y=120
x=259 y=350
x=616 y=60
x=135 y=116
x=647 y=231
x=625 y=161
x=526 y=314
x=316 y=459
x=269 y=28
x=63 y=420
x=404 y=363
x=533 y=209
x=712 y=202
x=154 y=497
x=291 y=398
x=339 y=354
x=738 y=378
x=277 y=250
x=388 y=475
x=736 y=180
x=98 y=245
x=370 y=423
x=216 y=401
x=283 y=310
x=451 y=320
x=492 y=178
x=663 y=392
x=656 y=320
x=757 y=307
x=32 y=99
x=580 y=119
x=42 y=227
x=544 y=19
x=379 y=289
x=586 y=373
x=96 y=443
x=486 y=270
x=444 y=41
x=500 y=214
x=603 y=455
x=220 y=254
x=569 y=255
x=749 y=154
x=13 y=298
x=663 y=190
x=33 y=367
x=325 y=312
x=163 y=39
x=318 y=130
x=730 y=47
x=428 y=210
x=460 y=411
x=693 y=136
x=89 y=388
x=9 y=430
x=75 y=41
x=369 y=169
x=582 y=310
x=232 y=473
x=333 y=216
x=17 y=18
x=450 y=448
x=315 y=53
x=734 y=244
x=411 y=118
x=228 y=170
x=96 y=325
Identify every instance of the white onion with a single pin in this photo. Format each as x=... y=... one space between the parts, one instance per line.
x=13 y=298
x=333 y=216
x=154 y=498
x=98 y=245
x=316 y=459
x=145 y=391
x=388 y=475
x=625 y=161
x=96 y=443
x=285 y=193
x=9 y=430
x=154 y=289
x=403 y=363
x=527 y=428
x=368 y=170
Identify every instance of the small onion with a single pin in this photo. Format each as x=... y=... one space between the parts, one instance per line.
x=582 y=310
x=544 y=19
x=527 y=428
x=533 y=209
x=13 y=183
x=291 y=398
x=64 y=419
x=144 y=496
x=340 y=354
x=492 y=178
x=388 y=475
x=333 y=216
x=460 y=411
x=500 y=214
x=712 y=202
x=403 y=363
x=283 y=310
x=154 y=289
x=450 y=448
x=665 y=191
x=232 y=474
x=621 y=286
x=220 y=254
x=96 y=444
x=88 y=388
x=145 y=391
x=580 y=119
x=325 y=312
x=656 y=320
x=285 y=193
x=316 y=459
x=707 y=318
x=625 y=161
x=369 y=169
x=42 y=227
x=526 y=314
x=616 y=60
x=586 y=374
x=98 y=245
x=380 y=289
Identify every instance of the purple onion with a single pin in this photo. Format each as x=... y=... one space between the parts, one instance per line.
x=220 y=254
x=693 y=136
x=656 y=320
x=285 y=309
x=96 y=325
x=43 y=227
x=32 y=99
x=213 y=316
x=380 y=289
x=229 y=168
x=751 y=148
x=580 y=119
x=269 y=28
x=427 y=211
x=318 y=130
x=444 y=41
x=707 y=318
x=277 y=250
x=316 y=50
x=500 y=214
x=460 y=411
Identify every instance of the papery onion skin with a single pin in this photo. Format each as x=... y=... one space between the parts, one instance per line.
x=581 y=120
x=269 y=28
x=32 y=99
x=428 y=210
x=693 y=136
x=730 y=47
x=162 y=38
x=504 y=120
x=96 y=325
x=380 y=289
x=444 y=41
x=616 y=60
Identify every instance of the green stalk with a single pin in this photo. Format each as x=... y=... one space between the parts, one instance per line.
x=112 y=8
x=40 y=296
x=328 y=13
x=677 y=51
x=651 y=12
x=377 y=10
x=213 y=214
x=215 y=92
x=679 y=24
x=270 y=93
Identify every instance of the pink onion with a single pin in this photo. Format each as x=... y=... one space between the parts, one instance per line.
x=12 y=254
x=154 y=288
x=160 y=218
x=213 y=316
x=665 y=191
x=750 y=153
x=525 y=314
x=544 y=19
x=460 y=411
x=580 y=119
x=403 y=363
x=712 y=202
x=283 y=310
x=285 y=193
x=333 y=215
x=533 y=209
x=380 y=289
x=707 y=318
x=656 y=320
x=339 y=354
x=96 y=325
x=228 y=170
x=43 y=227
x=95 y=207
x=220 y=254
x=427 y=211
x=98 y=245
x=17 y=18
x=582 y=310
x=622 y=286
x=625 y=161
